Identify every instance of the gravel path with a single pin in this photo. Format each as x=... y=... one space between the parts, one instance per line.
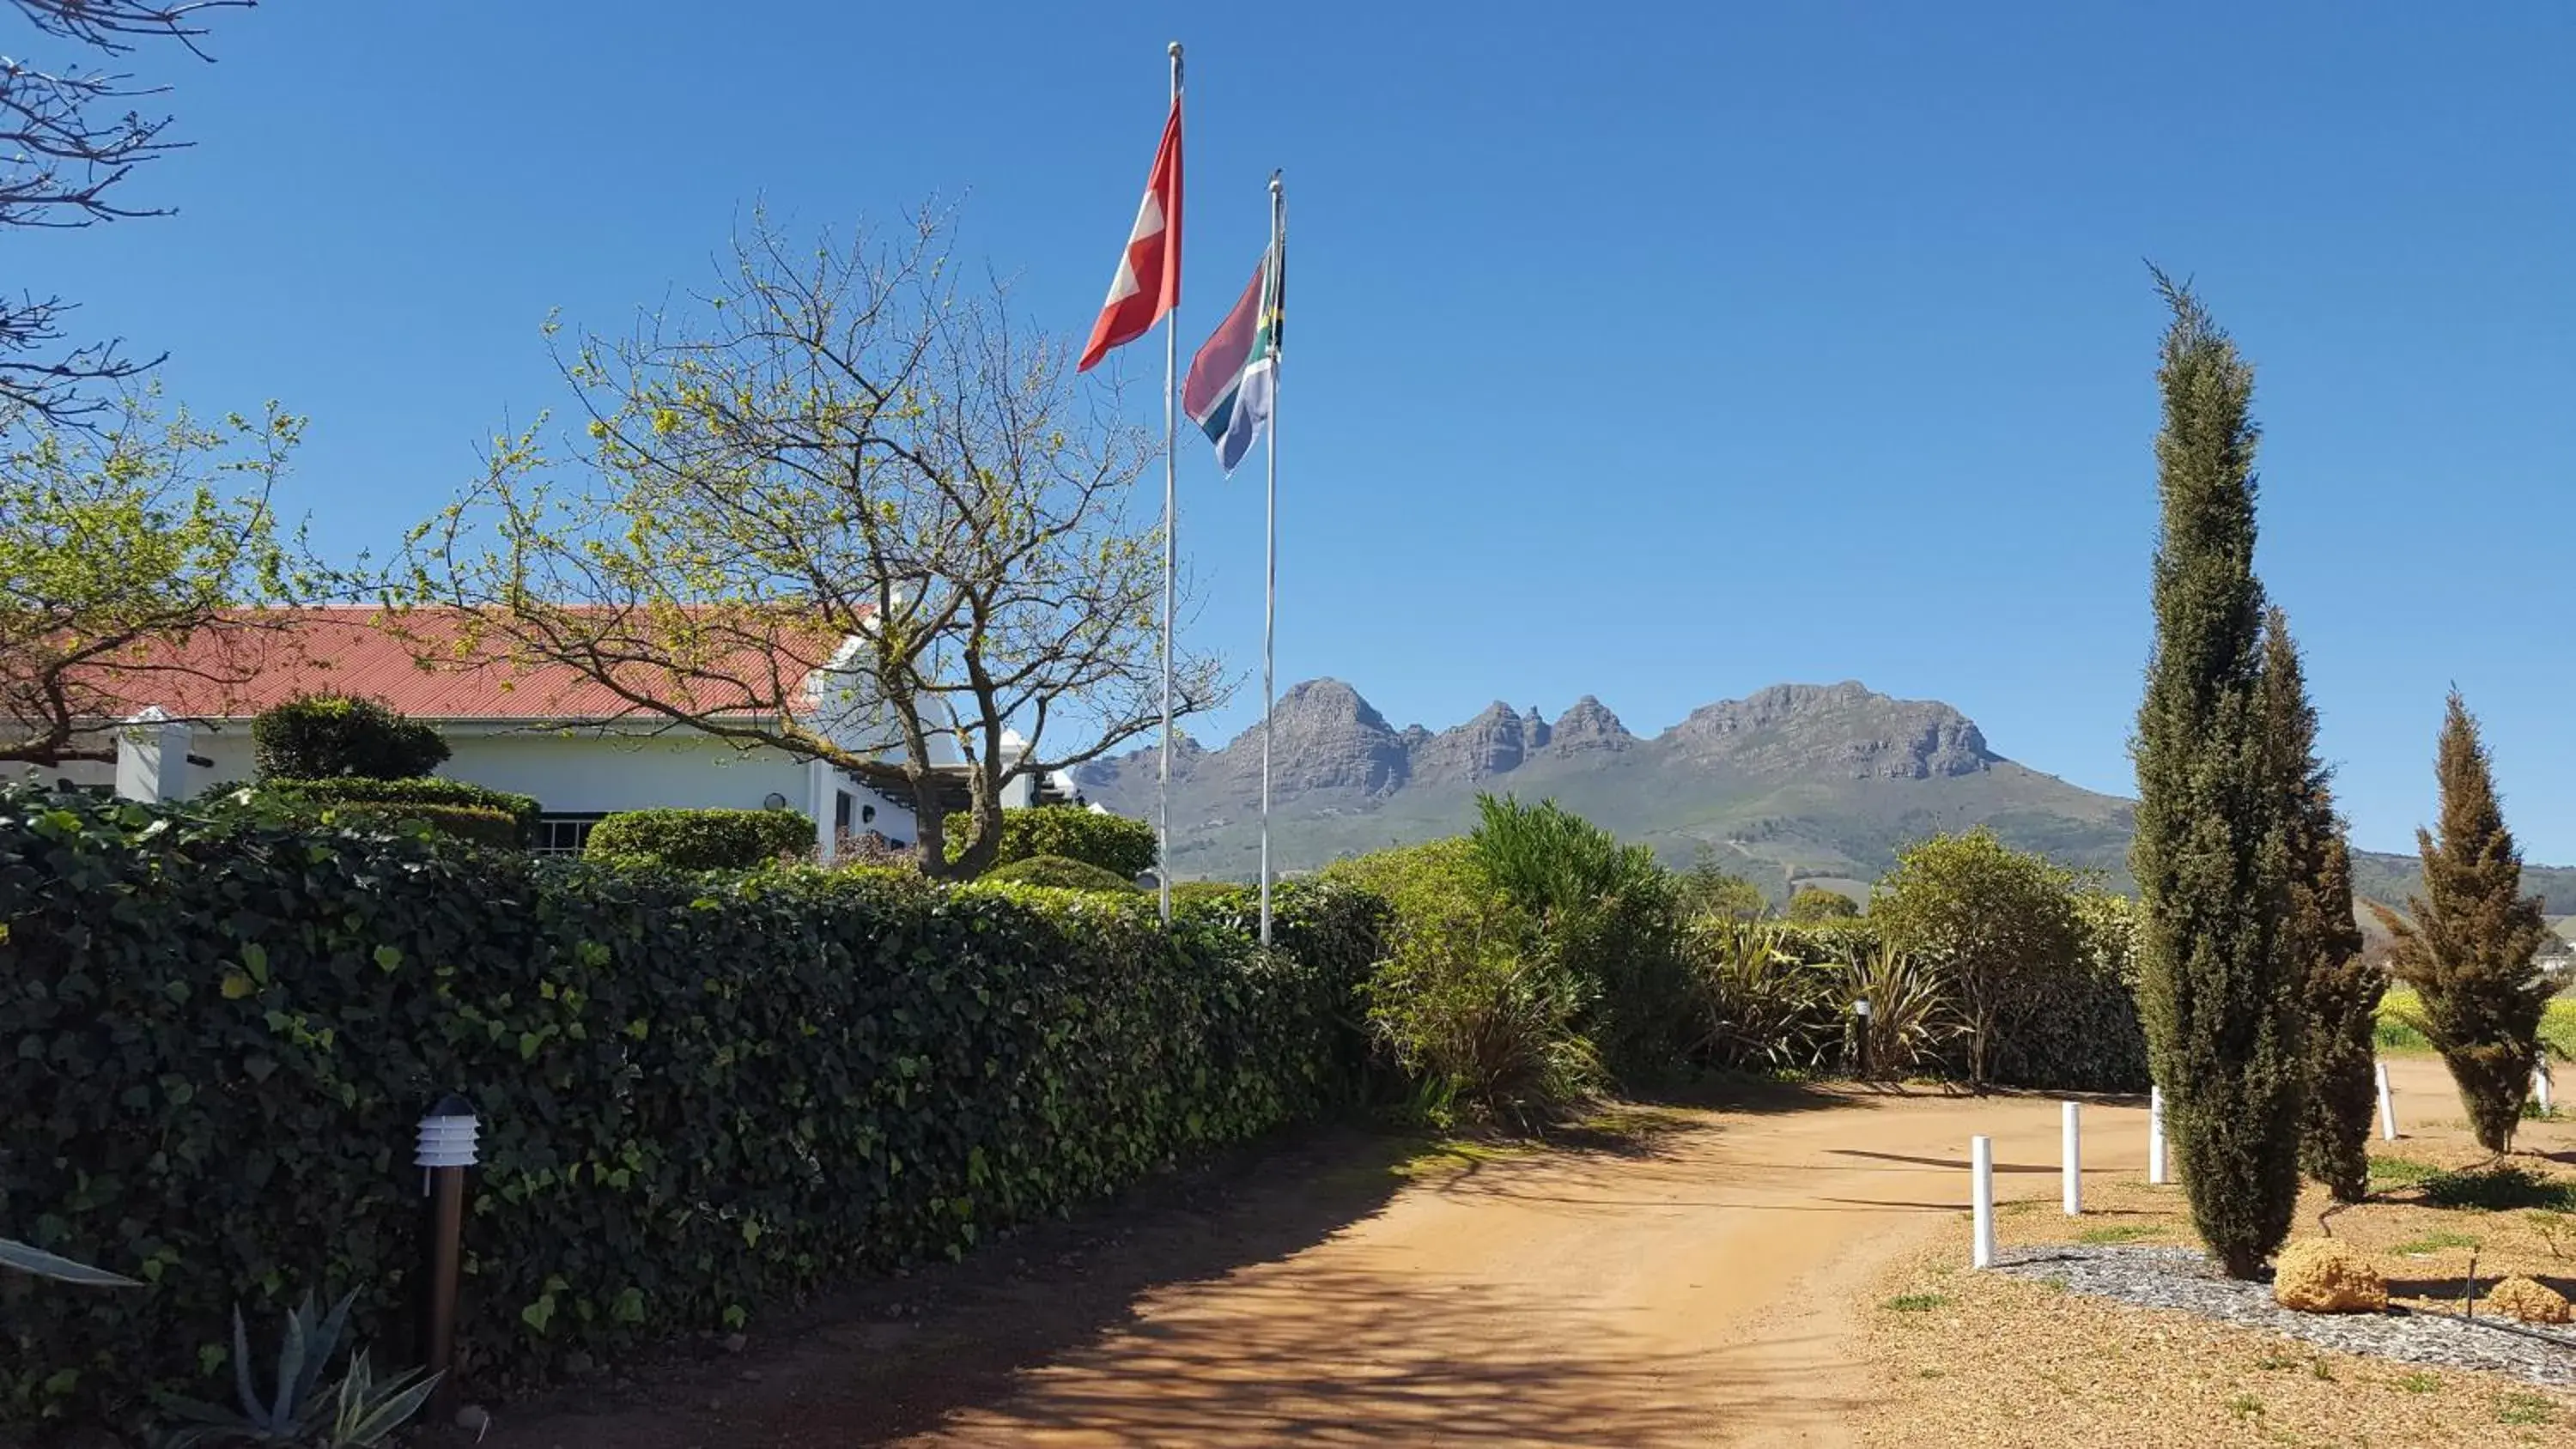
x=2181 y=1278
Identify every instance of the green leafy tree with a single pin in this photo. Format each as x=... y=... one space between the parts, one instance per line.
x=127 y=547
x=1708 y=889
x=1477 y=1020
x=1813 y=903
x=1993 y=920
x=848 y=510
x=2218 y=993
x=2339 y=990
x=2471 y=945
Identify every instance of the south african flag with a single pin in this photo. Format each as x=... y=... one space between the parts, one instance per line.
x=1234 y=379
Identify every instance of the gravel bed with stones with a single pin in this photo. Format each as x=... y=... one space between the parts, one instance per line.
x=2181 y=1278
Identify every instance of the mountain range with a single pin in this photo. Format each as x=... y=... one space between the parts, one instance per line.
x=1795 y=785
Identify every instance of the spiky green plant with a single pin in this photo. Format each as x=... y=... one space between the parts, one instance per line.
x=358 y=1413
x=1761 y=1008
x=1911 y=1021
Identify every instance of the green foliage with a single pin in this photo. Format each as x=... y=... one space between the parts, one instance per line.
x=1810 y=903
x=1607 y=916
x=1762 y=1004
x=701 y=839
x=2470 y=949
x=1910 y=1023
x=478 y=823
x=2075 y=1027
x=126 y=539
x=1061 y=873
x=325 y=736
x=2501 y=1187
x=1224 y=893
x=1114 y=843
x=2339 y=989
x=427 y=790
x=702 y=1095
x=1998 y=924
x=1708 y=889
x=2217 y=990
x=357 y=1414
x=1460 y=1000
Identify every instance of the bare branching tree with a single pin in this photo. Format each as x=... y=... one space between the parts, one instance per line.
x=69 y=137
x=842 y=459
x=129 y=548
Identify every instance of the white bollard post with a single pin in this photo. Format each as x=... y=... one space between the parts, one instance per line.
x=2540 y=1086
x=2071 y=1154
x=1981 y=1196
x=2156 y=1136
x=2387 y=1108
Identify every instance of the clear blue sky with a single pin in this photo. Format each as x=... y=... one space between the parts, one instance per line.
x=1660 y=353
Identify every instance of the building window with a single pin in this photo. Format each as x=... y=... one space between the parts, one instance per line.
x=841 y=803
x=565 y=834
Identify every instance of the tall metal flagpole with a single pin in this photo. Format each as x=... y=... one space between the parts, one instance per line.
x=1270 y=528
x=1171 y=499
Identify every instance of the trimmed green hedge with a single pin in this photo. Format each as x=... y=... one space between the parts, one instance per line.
x=702 y=1096
x=477 y=823
x=701 y=839
x=424 y=790
x=1114 y=843
x=324 y=735
x=1061 y=873
x=428 y=790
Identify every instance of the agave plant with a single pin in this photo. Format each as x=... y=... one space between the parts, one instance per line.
x=357 y=1414
x=27 y=1258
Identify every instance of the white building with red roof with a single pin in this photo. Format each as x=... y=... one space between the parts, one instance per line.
x=582 y=749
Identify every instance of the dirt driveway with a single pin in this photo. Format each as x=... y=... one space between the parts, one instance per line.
x=1689 y=1282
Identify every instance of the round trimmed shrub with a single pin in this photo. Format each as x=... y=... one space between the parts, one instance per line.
x=701 y=839
x=1059 y=872
x=323 y=736
x=1116 y=844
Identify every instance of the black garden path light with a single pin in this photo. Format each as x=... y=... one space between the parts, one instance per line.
x=446 y=1150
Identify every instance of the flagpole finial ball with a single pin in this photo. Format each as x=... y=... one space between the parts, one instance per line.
x=1174 y=50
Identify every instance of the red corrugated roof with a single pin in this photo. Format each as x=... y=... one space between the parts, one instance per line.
x=429 y=665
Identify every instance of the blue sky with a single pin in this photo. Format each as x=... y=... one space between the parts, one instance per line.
x=1659 y=353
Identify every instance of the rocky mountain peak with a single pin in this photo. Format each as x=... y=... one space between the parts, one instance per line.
x=1589 y=725
x=1495 y=742
x=1843 y=728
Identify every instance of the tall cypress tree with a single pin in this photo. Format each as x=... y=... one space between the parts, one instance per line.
x=2216 y=989
x=2339 y=990
x=2470 y=948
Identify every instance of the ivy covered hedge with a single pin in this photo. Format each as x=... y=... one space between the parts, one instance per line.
x=701 y=1095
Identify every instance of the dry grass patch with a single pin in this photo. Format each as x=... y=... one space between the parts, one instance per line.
x=1996 y=1360
x=1993 y=1360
